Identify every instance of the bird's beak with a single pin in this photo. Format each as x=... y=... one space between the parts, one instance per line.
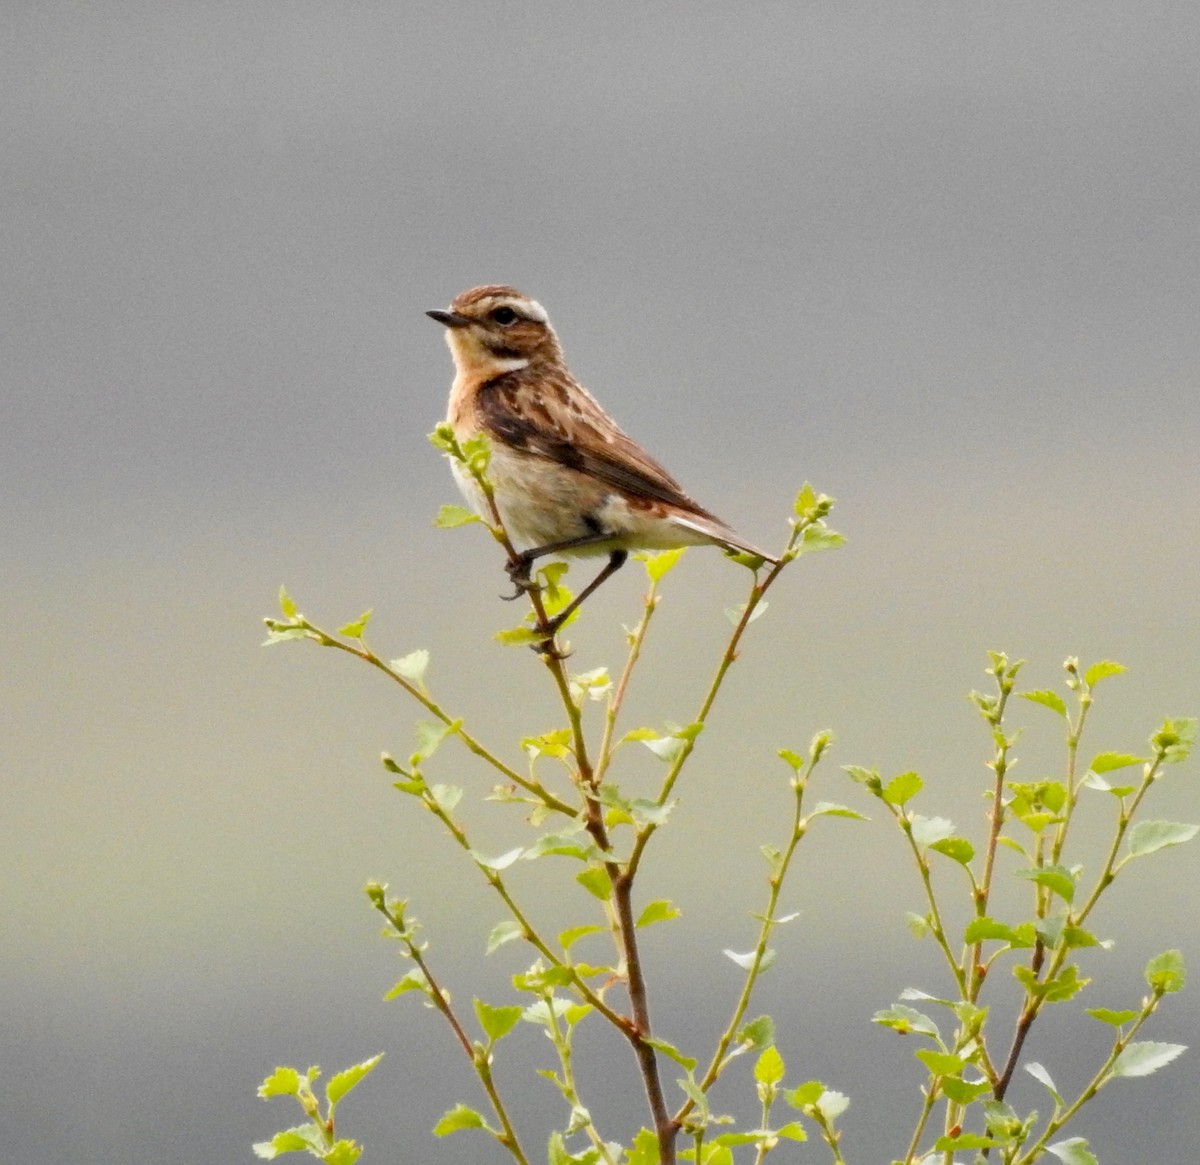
x=449 y=318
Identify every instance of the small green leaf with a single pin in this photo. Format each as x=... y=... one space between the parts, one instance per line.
x=747 y=960
x=1073 y=1151
x=1039 y=1073
x=286 y=604
x=961 y=1091
x=1142 y=1059
x=757 y=1034
x=904 y=1020
x=666 y=748
x=1055 y=878
x=658 y=911
x=964 y=1141
x=503 y=932
x=793 y=1131
x=793 y=759
x=520 y=637
x=1148 y=836
x=344 y=1152
x=595 y=881
x=412 y=667
x=569 y=937
x=805 y=1095
x=833 y=809
x=415 y=980
x=903 y=788
x=281 y=1082
x=734 y=614
x=1165 y=973
x=927 y=830
x=502 y=862
x=1113 y=1018
x=297 y=1140
x=1107 y=762
x=459 y=1117
x=769 y=1067
x=658 y=565
x=1047 y=699
x=342 y=1082
x=868 y=778
x=496 y=1022
x=645 y=1149
x=1101 y=670
x=820 y=537
x=986 y=929
x=1065 y=985
x=918 y=924
x=940 y=1063
x=806 y=501
x=672 y=1052
x=956 y=848
x=355 y=630
x=448 y=517
x=1175 y=739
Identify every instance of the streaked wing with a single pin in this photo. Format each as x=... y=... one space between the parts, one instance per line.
x=571 y=429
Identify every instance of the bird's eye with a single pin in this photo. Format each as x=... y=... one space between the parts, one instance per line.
x=504 y=316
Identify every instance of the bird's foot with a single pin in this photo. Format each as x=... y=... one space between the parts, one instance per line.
x=519 y=576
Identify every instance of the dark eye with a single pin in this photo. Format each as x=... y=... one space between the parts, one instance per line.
x=504 y=316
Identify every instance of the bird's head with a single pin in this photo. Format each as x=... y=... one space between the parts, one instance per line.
x=495 y=329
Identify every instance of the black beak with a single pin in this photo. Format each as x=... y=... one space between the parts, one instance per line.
x=449 y=318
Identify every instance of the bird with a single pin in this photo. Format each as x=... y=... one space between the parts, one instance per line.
x=566 y=480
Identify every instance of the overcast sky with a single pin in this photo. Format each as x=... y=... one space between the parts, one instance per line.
x=943 y=259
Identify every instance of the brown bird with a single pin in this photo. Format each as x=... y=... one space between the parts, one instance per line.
x=567 y=480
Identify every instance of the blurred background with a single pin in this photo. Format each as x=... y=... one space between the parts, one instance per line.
x=940 y=259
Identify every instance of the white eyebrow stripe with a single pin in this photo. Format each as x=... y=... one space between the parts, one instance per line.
x=534 y=311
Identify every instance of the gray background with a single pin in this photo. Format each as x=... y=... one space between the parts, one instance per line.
x=941 y=259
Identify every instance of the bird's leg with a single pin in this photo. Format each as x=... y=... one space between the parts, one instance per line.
x=520 y=568
x=616 y=560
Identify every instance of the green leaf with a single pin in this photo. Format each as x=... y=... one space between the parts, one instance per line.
x=1055 y=878
x=658 y=911
x=805 y=504
x=496 y=1022
x=757 y=1034
x=429 y=737
x=956 y=848
x=868 y=778
x=281 y=1082
x=286 y=604
x=343 y=1152
x=964 y=1141
x=666 y=748
x=833 y=809
x=769 y=1067
x=1047 y=699
x=986 y=929
x=503 y=932
x=902 y=788
x=502 y=862
x=940 y=1063
x=1113 y=1018
x=1165 y=973
x=569 y=937
x=343 y=1081
x=1065 y=985
x=1101 y=670
x=927 y=830
x=304 y=1137
x=448 y=517
x=355 y=630
x=459 y=1117
x=645 y=1149
x=672 y=1052
x=805 y=1095
x=734 y=614
x=905 y=1020
x=1147 y=836
x=415 y=980
x=1107 y=762
x=658 y=565
x=1039 y=1073
x=595 y=881
x=1175 y=739
x=1074 y=1150
x=918 y=924
x=793 y=759
x=1142 y=1059
x=961 y=1091
x=746 y=960
x=412 y=667
x=820 y=537
x=793 y=1131
x=520 y=637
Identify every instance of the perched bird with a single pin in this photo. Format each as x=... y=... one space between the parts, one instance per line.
x=567 y=480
